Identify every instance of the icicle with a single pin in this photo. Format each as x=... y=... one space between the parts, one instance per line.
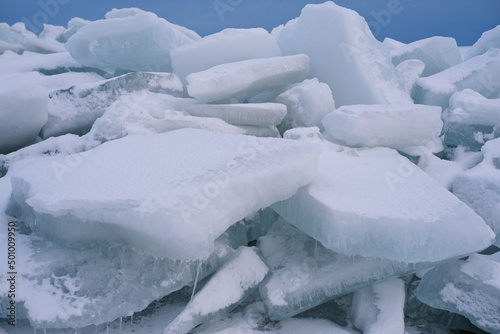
x=107 y=328
x=120 y=324
x=196 y=279
x=132 y=318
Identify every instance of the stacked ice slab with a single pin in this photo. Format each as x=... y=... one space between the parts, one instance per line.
x=137 y=177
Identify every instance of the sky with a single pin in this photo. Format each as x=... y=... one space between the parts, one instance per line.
x=403 y=20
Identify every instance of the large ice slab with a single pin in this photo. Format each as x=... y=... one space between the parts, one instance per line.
x=378 y=309
x=306 y=274
x=128 y=41
x=438 y=53
x=476 y=73
x=243 y=78
x=488 y=40
x=232 y=283
x=344 y=54
x=229 y=45
x=395 y=126
x=471 y=120
x=470 y=288
x=307 y=103
x=376 y=203
x=172 y=199
x=75 y=109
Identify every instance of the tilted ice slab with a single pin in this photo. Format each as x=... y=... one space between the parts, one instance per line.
x=376 y=203
x=471 y=120
x=75 y=109
x=243 y=78
x=230 y=285
x=170 y=199
x=227 y=46
x=395 y=126
x=488 y=40
x=378 y=309
x=307 y=103
x=410 y=70
x=344 y=54
x=128 y=41
x=438 y=53
x=470 y=288
x=477 y=73
x=305 y=274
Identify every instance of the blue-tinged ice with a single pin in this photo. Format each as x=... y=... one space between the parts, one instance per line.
x=488 y=40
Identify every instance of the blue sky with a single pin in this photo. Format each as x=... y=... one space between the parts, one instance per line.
x=464 y=20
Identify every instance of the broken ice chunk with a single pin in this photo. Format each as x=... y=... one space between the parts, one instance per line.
x=75 y=109
x=244 y=78
x=239 y=276
x=470 y=288
x=139 y=41
x=344 y=54
x=395 y=126
x=471 y=120
x=226 y=46
x=410 y=70
x=488 y=40
x=378 y=309
x=438 y=53
x=170 y=199
x=376 y=203
x=477 y=73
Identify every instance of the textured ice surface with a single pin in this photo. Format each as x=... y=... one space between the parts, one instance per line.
x=471 y=120
x=488 y=40
x=376 y=203
x=378 y=309
x=18 y=39
x=128 y=40
x=172 y=199
x=477 y=73
x=395 y=126
x=227 y=46
x=392 y=44
x=307 y=103
x=239 y=276
x=479 y=187
x=344 y=54
x=45 y=63
x=243 y=78
x=306 y=274
x=23 y=112
x=75 y=109
x=438 y=53
x=470 y=288
x=442 y=171
x=410 y=70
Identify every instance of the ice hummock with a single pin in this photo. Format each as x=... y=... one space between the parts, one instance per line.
x=470 y=288
x=228 y=287
x=377 y=203
x=344 y=54
x=488 y=40
x=227 y=46
x=128 y=40
x=243 y=78
x=159 y=200
x=396 y=126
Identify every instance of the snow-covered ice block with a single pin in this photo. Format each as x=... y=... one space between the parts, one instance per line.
x=477 y=73
x=410 y=70
x=45 y=63
x=438 y=53
x=378 y=309
x=305 y=274
x=75 y=109
x=442 y=171
x=307 y=103
x=239 y=277
x=488 y=40
x=227 y=46
x=170 y=199
x=243 y=78
x=138 y=41
x=73 y=26
x=344 y=54
x=470 y=288
x=479 y=187
x=23 y=112
x=395 y=126
x=471 y=120
x=376 y=203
